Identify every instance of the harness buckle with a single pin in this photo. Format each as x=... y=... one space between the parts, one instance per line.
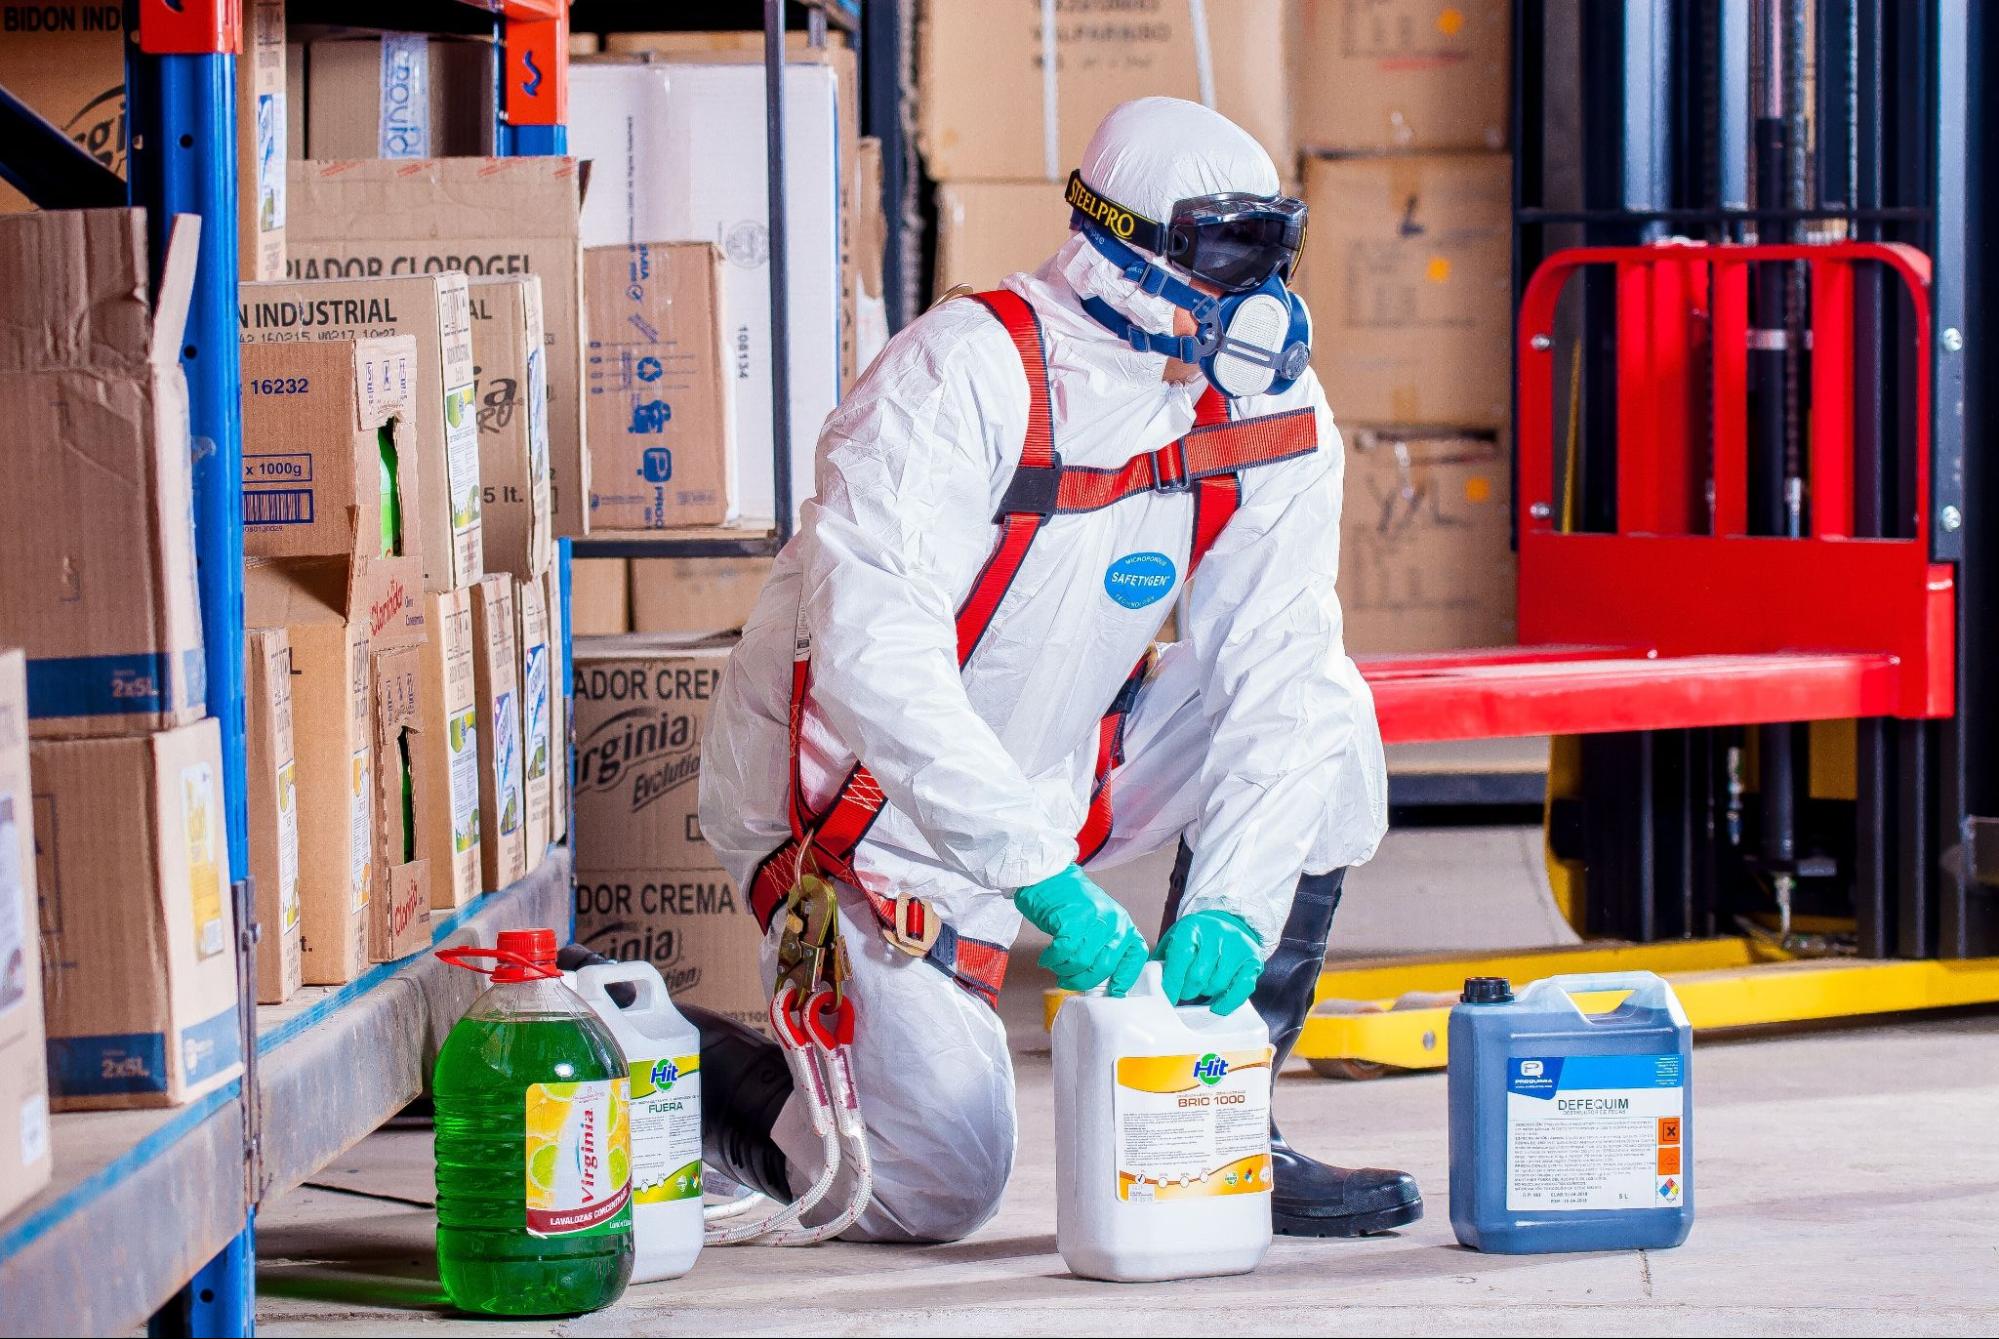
x=1169 y=467
x=1034 y=489
x=914 y=926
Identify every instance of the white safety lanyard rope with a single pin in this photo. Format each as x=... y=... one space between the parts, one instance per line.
x=817 y=1041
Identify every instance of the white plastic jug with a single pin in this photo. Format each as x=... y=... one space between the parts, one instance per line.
x=1162 y=1136
x=664 y=1052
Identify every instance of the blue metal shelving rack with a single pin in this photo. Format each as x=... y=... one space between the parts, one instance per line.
x=154 y=1203
x=160 y=1190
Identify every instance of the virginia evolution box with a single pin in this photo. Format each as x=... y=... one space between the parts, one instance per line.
x=641 y=708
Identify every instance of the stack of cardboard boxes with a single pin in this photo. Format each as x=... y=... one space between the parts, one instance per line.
x=1398 y=112
x=986 y=93
x=134 y=936
x=399 y=523
x=677 y=380
x=1402 y=110
x=66 y=60
x=647 y=884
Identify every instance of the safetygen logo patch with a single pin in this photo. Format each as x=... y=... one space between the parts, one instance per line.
x=1139 y=579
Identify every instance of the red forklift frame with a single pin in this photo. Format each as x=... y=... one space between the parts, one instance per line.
x=1680 y=618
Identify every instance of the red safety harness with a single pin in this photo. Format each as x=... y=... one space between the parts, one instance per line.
x=1206 y=462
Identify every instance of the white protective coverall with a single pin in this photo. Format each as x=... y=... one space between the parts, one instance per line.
x=1254 y=736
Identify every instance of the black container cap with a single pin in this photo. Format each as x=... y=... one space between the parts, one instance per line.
x=1487 y=990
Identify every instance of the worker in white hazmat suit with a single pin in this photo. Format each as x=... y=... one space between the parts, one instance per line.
x=948 y=702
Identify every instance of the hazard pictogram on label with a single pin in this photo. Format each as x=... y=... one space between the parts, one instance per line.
x=1669 y=1131
x=1669 y=1160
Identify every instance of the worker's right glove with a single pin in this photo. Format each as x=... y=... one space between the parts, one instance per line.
x=1095 y=940
x=1210 y=955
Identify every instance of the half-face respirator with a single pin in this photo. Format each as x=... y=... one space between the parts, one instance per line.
x=1254 y=337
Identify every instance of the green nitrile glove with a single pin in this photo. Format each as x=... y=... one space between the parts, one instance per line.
x=1095 y=941
x=1210 y=955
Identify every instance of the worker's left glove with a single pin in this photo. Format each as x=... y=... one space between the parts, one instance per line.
x=1095 y=942
x=1210 y=955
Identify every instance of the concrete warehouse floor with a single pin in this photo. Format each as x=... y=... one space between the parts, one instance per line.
x=1848 y=1183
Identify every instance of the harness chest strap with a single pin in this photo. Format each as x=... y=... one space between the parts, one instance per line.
x=1206 y=462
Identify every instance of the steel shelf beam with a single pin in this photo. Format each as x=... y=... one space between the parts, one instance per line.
x=89 y=1256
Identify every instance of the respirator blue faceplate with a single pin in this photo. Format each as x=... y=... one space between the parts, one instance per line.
x=1255 y=342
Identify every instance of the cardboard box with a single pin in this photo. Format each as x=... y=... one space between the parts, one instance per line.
x=641 y=709
x=322 y=422
x=692 y=924
x=695 y=596
x=1425 y=559
x=272 y=800
x=538 y=756
x=868 y=233
x=987 y=230
x=294 y=101
x=400 y=95
x=484 y=216
x=96 y=542
x=436 y=311
x=660 y=405
x=448 y=823
x=1408 y=272
x=335 y=615
x=24 y=1089
x=735 y=47
x=138 y=934
x=599 y=597
x=66 y=60
x=1401 y=74
x=511 y=349
x=981 y=97
x=399 y=921
x=561 y=710
x=747 y=48
x=691 y=138
x=502 y=799
x=260 y=142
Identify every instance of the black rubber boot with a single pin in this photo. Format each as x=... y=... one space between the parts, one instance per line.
x=744 y=1085
x=1311 y=1198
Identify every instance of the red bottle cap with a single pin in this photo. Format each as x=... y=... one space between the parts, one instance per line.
x=526 y=955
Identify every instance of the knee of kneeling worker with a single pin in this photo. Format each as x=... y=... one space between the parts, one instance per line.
x=941 y=1191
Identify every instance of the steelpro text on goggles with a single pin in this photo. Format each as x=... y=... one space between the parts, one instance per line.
x=1255 y=338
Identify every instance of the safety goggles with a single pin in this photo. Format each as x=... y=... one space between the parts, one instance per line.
x=1234 y=241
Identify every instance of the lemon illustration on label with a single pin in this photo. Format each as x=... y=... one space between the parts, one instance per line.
x=541 y=1166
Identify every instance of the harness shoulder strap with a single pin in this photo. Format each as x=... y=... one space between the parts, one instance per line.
x=1018 y=524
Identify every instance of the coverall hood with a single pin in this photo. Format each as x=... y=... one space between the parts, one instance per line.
x=1148 y=155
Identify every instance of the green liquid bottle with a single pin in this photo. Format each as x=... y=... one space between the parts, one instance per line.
x=533 y=1144
x=392 y=507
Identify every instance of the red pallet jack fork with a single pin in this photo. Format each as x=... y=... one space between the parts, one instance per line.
x=1681 y=618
